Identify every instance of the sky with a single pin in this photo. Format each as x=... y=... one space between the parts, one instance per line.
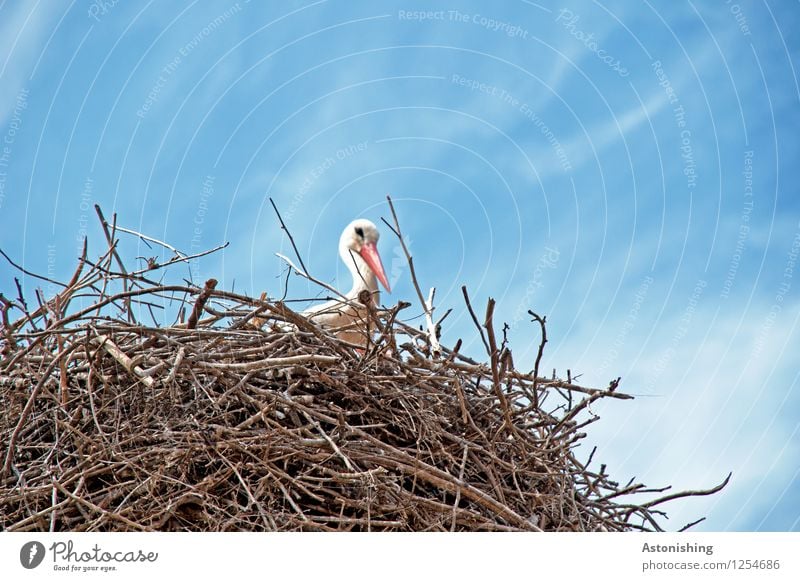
x=628 y=170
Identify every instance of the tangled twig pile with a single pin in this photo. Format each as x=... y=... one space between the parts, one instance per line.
x=214 y=424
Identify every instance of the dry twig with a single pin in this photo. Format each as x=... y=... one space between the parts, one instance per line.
x=427 y=305
x=218 y=425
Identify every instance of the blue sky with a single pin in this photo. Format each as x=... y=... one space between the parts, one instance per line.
x=628 y=170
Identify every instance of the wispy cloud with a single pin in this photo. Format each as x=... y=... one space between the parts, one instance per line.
x=24 y=30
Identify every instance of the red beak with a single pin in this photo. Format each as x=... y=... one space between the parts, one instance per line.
x=369 y=252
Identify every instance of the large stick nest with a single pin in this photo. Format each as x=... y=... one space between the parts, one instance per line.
x=249 y=417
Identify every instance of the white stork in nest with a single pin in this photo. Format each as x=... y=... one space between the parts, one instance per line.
x=358 y=248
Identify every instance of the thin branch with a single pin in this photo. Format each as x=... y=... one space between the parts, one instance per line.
x=541 y=321
x=307 y=276
x=494 y=357
x=475 y=319
x=112 y=245
x=427 y=306
x=291 y=239
x=179 y=259
x=29 y=273
x=146 y=238
x=687 y=493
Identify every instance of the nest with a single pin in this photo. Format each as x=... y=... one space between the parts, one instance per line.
x=218 y=424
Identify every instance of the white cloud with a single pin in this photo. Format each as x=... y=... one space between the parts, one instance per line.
x=716 y=405
x=23 y=34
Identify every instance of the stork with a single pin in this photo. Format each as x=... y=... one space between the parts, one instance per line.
x=358 y=248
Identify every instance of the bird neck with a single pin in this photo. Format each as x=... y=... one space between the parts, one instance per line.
x=363 y=277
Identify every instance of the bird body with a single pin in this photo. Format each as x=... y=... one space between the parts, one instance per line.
x=359 y=251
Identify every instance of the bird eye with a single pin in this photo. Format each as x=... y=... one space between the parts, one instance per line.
x=360 y=231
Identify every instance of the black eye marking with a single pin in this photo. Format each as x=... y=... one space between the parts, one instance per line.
x=360 y=231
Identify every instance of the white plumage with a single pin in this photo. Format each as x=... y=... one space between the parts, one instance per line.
x=359 y=251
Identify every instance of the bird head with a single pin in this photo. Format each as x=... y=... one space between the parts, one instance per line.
x=360 y=238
